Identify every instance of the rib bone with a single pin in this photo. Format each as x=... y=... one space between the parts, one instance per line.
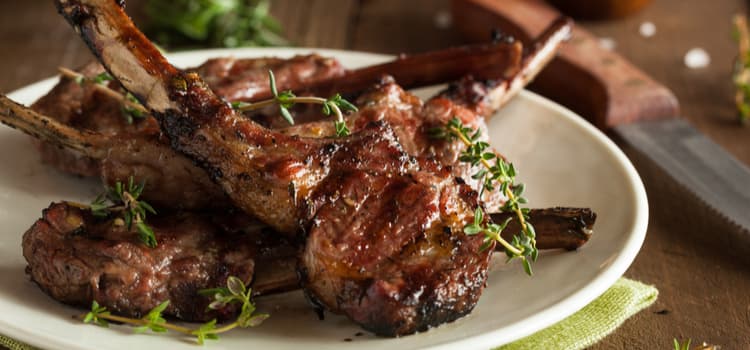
x=172 y=181
x=44 y=128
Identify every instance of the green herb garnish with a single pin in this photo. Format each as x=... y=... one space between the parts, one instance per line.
x=234 y=293
x=497 y=174
x=741 y=76
x=102 y=78
x=154 y=320
x=131 y=108
x=335 y=105
x=97 y=315
x=123 y=201
x=685 y=346
x=131 y=113
x=213 y=23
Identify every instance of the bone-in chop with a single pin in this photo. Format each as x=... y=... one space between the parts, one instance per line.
x=77 y=258
x=139 y=150
x=384 y=230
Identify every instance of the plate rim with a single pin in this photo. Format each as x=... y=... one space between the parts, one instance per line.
x=541 y=320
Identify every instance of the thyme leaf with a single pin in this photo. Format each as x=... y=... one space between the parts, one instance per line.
x=741 y=75
x=123 y=202
x=154 y=321
x=97 y=315
x=335 y=105
x=213 y=23
x=679 y=346
x=496 y=174
x=130 y=112
x=131 y=108
x=102 y=78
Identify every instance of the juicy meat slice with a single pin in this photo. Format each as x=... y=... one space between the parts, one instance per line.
x=84 y=107
x=392 y=254
x=245 y=79
x=497 y=61
x=291 y=182
x=71 y=104
x=412 y=121
x=172 y=181
x=77 y=258
x=470 y=100
x=556 y=228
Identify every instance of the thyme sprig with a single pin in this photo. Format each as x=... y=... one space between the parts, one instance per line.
x=123 y=201
x=496 y=174
x=131 y=109
x=688 y=346
x=234 y=293
x=213 y=23
x=132 y=113
x=741 y=76
x=679 y=346
x=335 y=105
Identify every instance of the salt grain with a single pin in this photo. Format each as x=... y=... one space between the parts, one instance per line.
x=647 y=29
x=607 y=43
x=697 y=58
x=443 y=20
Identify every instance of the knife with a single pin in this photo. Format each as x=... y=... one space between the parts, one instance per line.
x=615 y=96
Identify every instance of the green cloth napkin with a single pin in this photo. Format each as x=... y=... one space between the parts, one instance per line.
x=584 y=328
x=595 y=321
x=13 y=344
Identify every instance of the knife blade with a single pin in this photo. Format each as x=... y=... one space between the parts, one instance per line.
x=617 y=97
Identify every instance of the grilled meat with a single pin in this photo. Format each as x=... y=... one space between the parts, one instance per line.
x=84 y=107
x=172 y=181
x=469 y=100
x=138 y=150
x=330 y=188
x=556 y=228
x=77 y=258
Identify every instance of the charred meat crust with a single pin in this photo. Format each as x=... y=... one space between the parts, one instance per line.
x=385 y=244
x=221 y=139
x=556 y=228
x=77 y=258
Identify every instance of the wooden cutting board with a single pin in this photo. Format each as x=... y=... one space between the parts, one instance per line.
x=595 y=82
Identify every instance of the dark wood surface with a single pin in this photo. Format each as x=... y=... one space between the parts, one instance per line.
x=704 y=284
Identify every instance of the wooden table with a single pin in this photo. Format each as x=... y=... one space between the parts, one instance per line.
x=704 y=284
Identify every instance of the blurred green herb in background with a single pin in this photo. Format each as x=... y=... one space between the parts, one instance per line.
x=741 y=75
x=212 y=23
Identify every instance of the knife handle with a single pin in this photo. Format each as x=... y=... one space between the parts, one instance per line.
x=596 y=83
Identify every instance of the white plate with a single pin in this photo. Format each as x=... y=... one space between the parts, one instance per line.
x=561 y=158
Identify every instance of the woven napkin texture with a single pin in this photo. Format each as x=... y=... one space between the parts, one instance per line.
x=595 y=321
x=584 y=328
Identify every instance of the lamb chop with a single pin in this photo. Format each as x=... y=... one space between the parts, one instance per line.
x=138 y=149
x=118 y=150
x=172 y=181
x=551 y=236
x=471 y=101
x=181 y=185
x=84 y=106
x=562 y=228
x=384 y=230
x=77 y=258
